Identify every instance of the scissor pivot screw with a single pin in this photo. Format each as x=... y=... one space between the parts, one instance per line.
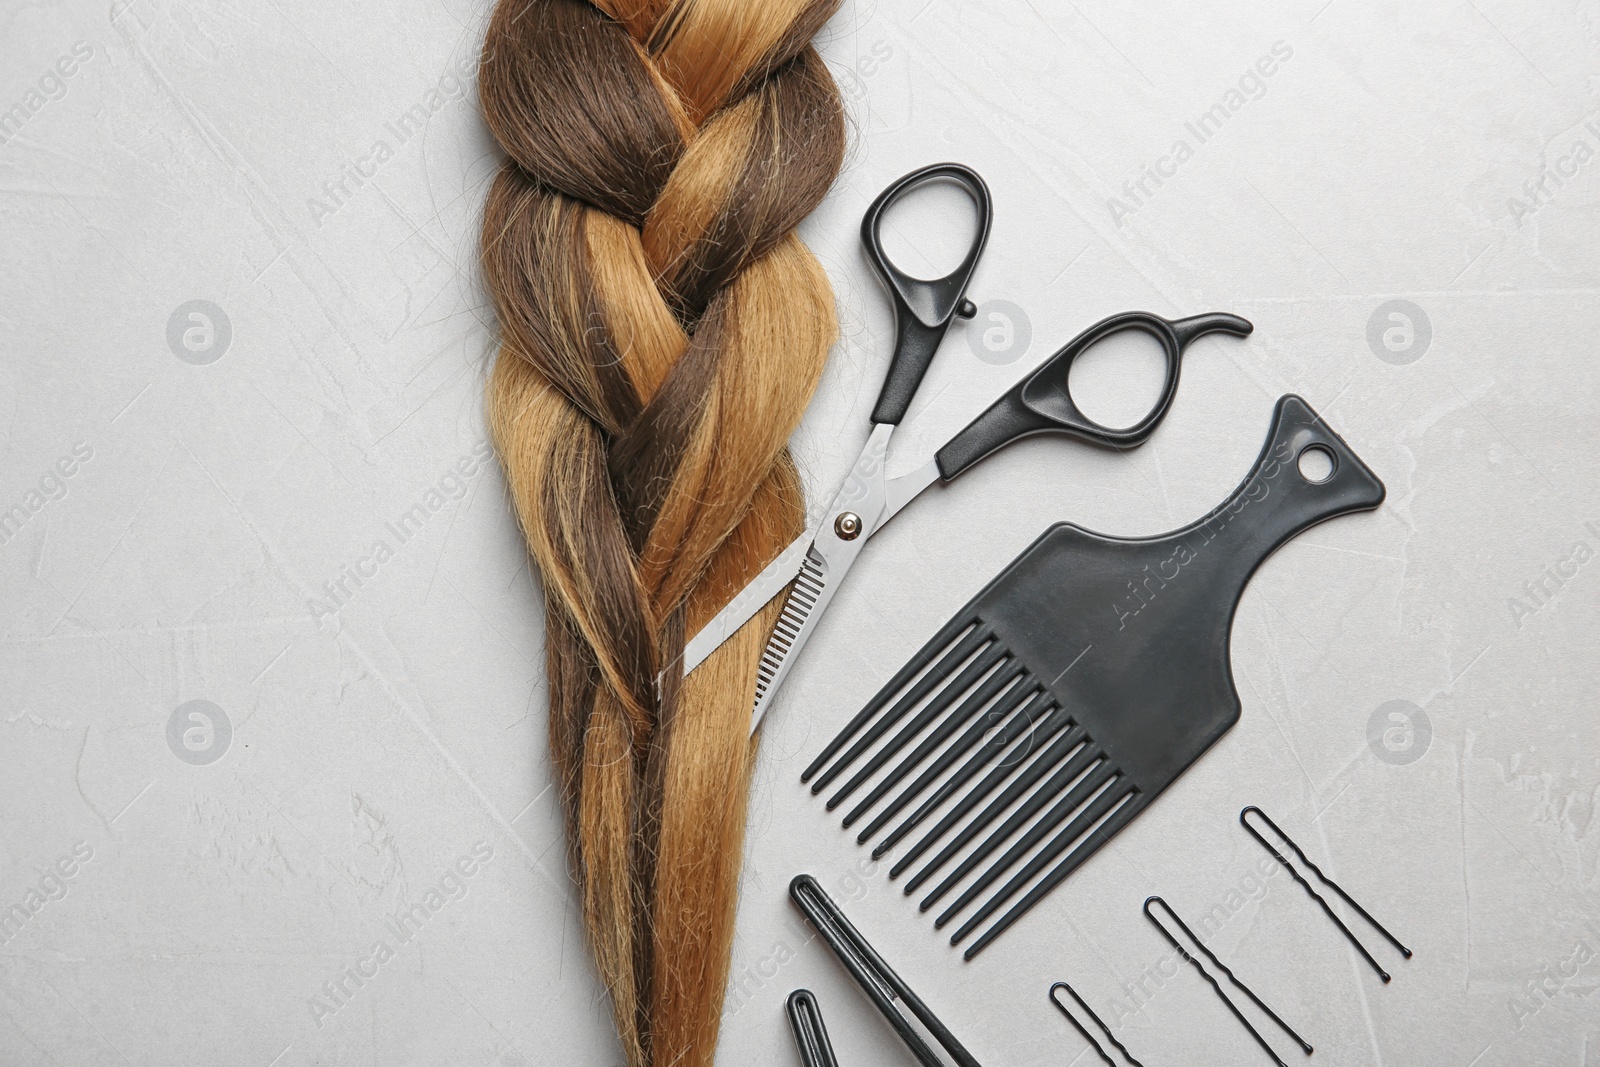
x=847 y=526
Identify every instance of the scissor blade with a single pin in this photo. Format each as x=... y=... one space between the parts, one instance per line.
x=898 y=492
x=749 y=600
x=813 y=588
x=851 y=520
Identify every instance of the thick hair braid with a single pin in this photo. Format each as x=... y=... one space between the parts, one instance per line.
x=662 y=330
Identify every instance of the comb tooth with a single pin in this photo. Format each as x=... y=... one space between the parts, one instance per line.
x=998 y=713
x=1079 y=762
x=1136 y=802
x=970 y=675
x=1006 y=671
x=1113 y=795
x=1055 y=720
x=936 y=676
x=938 y=644
x=1059 y=749
x=1097 y=776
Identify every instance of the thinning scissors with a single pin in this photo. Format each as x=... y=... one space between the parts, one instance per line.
x=817 y=562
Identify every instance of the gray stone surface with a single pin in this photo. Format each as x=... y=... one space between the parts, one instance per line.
x=272 y=650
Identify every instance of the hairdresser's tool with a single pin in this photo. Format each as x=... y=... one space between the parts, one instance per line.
x=810 y=1035
x=1099 y=1049
x=1090 y=674
x=929 y=1041
x=1325 y=880
x=1150 y=914
x=1040 y=402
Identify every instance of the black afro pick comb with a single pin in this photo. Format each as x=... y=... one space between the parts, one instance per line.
x=1072 y=690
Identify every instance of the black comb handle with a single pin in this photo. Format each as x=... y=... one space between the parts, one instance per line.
x=1150 y=617
x=1126 y=639
x=1135 y=633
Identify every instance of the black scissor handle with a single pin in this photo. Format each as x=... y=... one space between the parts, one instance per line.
x=1042 y=401
x=923 y=307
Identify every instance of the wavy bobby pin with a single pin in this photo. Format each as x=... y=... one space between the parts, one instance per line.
x=1325 y=880
x=1216 y=987
x=1100 y=1050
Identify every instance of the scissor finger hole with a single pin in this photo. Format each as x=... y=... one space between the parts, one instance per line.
x=928 y=230
x=1118 y=381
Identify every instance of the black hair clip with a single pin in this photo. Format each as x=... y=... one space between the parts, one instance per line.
x=1099 y=1049
x=810 y=1035
x=1219 y=965
x=915 y=1022
x=1329 y=882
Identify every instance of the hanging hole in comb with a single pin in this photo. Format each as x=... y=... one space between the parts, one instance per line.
x=1316 y=464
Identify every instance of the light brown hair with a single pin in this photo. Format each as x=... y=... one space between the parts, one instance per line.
x=662 y=330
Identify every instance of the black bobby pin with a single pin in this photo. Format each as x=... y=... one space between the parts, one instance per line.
x=1087 y=1036
x=1329 y=882
x=1219 y=965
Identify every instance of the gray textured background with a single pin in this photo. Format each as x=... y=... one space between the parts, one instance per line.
x=227 y=472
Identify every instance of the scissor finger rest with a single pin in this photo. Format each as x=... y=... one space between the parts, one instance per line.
x=1043 y=402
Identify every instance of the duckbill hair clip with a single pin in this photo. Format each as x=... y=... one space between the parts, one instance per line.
x=928 y=1039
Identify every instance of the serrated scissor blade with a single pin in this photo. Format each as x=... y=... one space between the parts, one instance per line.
x=858 y=508
x=801 y=609
x=760 y=590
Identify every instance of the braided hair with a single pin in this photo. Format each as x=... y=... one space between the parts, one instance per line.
x=662 y=330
